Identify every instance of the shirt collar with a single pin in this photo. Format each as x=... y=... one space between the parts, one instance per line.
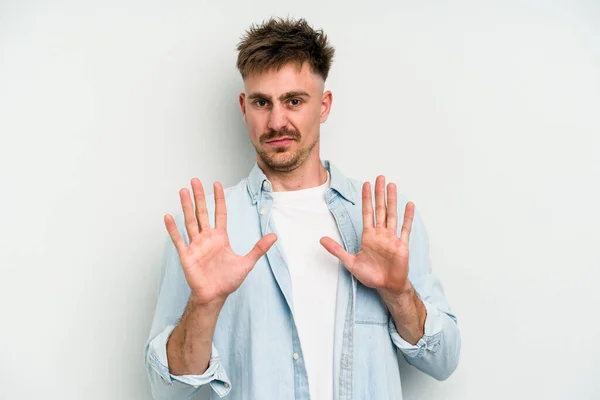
x=257 y=182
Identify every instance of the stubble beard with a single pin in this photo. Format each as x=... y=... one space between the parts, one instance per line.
x=282 y=159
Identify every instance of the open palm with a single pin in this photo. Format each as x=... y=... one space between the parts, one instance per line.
x=382 y=262
x=212 y=270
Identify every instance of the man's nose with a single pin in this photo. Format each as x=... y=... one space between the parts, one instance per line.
x=277 y=118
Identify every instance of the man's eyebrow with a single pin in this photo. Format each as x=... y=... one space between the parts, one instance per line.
x=258 y=95
x=293 y=93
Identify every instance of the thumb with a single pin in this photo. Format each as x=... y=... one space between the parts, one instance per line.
x=337 y=250
x=260 y=248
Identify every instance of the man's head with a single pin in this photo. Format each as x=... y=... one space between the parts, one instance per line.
x=284 y=65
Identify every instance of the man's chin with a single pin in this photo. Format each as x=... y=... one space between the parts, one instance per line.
x=281 y=162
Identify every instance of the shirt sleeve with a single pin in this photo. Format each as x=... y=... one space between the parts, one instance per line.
x=437 y=352
x=168 y=386
x=173 y=295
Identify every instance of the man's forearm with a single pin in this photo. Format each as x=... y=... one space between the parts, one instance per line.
x=190 y=344
x=409 y=314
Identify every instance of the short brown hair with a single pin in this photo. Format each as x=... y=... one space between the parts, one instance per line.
x=278 y=42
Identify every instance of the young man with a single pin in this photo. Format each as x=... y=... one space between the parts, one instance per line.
x=290 y=285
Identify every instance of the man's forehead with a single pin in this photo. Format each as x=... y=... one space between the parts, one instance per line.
x=290 y=77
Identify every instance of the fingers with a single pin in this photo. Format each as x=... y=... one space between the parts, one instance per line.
x=409 y=214
x=260 y=248
x=380 y=209
x=337 y=250
x=200 y=198
x=220 y=207
x=392 y=208
x=174 y=233
x=188 y=214
x=367 y=207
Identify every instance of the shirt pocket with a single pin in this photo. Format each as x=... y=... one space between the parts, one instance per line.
x=370 y=308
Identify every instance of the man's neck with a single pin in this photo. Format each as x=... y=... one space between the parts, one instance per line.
x=310 y=174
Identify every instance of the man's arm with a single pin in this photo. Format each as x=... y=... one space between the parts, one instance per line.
x=395 y=261
x=190 y=344
x=168 y=376
x=409 y=314
x=200 y=271
x=421 y=324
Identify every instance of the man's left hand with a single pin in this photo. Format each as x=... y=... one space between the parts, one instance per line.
x=382 y=262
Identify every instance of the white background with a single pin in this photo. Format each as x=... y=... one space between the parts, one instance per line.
x=486 y=115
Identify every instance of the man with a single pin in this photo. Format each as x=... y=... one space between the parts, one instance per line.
x=290 y=285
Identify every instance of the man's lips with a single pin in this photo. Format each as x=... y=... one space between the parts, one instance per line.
x=280 y=142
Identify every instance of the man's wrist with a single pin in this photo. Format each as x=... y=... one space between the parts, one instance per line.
x=400 y=302
x=408 y=312
x=206 y=308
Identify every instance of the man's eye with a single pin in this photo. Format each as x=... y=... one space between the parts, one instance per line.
x=295 y=102
x=261 y=103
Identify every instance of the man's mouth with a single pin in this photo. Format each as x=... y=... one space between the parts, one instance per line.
x=280 y=141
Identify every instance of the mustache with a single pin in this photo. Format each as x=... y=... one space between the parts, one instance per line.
x=276 y=134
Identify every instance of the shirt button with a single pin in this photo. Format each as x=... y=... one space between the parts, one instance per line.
x=266 y=185
x=262 y=211
x=296 y=356
x=226 y=385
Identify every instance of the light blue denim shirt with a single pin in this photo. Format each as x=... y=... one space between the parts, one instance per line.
x=256 y=352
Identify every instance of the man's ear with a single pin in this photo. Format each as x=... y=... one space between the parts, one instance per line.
x=326 y=101
x=242 y=100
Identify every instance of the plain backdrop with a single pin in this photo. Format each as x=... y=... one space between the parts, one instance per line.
x=486 y=115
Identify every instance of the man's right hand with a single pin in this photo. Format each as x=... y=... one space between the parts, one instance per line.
x=212 y=270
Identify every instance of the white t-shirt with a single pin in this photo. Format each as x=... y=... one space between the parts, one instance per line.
x=302 y=218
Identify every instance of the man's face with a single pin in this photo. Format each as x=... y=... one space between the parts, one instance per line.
x=283 y=110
